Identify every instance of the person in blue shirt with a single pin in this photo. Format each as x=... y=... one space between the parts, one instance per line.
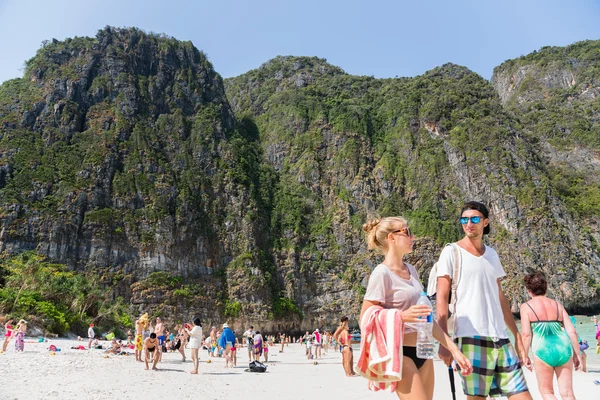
x=227 y=341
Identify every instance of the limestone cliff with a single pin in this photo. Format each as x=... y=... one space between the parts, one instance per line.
x=128 y=155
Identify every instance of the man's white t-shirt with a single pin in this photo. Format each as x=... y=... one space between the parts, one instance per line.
x=392 y=291
x=249 y=334
x=91 y=333
x=478 y=309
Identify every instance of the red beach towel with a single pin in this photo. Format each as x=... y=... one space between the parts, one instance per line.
x=380 y=360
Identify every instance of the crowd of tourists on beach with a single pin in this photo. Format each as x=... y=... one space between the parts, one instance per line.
x=150 y=343
x=471 y=321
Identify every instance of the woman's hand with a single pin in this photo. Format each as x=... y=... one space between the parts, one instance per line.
x=527 y=363
x=577 y=361
x=415 y=313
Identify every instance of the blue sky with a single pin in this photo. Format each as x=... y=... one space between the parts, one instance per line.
x=379 y=38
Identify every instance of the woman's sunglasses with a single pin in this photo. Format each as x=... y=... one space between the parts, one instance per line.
x=406 y=231
x=465 y=220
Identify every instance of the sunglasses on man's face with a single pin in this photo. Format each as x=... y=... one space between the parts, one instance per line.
x=465 y=220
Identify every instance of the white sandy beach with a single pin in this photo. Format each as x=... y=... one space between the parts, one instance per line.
x=70 y=374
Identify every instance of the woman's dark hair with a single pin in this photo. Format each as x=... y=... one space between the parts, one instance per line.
x=536 y=283
x=257 y=332
x=477 y=206
x=153 y=335
x=197 y=321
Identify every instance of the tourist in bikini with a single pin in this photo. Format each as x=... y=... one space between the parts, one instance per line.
x=395 y=284
x=183 y=341
x=195 y=335
x=234 y=352
x=115 y=347
x=546 y=327
x=150 y=347
x=266 y=351
x=342 y=336
x=8 y=333
x=20 y=335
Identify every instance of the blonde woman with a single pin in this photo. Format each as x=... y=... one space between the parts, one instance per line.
x=395 y=284
x=20 y=335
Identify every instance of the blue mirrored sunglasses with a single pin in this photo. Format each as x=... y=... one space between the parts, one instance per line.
x=465 y=220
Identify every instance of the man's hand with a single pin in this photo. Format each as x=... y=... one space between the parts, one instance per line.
x=520 y=350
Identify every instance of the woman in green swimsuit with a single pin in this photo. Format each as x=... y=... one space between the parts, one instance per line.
x=543 y=322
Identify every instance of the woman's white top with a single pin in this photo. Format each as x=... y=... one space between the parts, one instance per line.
x=392 y=291
x=195 y=337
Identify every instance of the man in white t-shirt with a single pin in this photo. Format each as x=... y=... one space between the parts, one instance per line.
x=482 y=313
x=249 y=335
x=91 y=335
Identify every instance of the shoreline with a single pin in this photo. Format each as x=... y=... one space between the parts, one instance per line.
x=36 y=374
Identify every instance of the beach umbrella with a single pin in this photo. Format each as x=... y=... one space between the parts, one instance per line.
x=451 y=376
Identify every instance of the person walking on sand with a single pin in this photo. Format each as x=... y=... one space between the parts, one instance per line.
x=159 y=329
x=8 y=333
x=234 y=352
x=91 y=335
x=544 y=322
x=342 y=336
x=395 y=284
x=282 y=340
x=583 y=345
x=258 y=346
x=317 y=343
x=140 y=326
x=20 y=335
x=226 y=342
x=326 y=339
x=266 y=351
x=482 y=312
x=150 y=346
x=183 y=340
x=249 y=335
x=195 y=343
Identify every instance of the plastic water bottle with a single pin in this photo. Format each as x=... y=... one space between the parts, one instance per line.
x=425 y=342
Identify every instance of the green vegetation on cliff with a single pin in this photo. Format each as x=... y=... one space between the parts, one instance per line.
x=127 y=156
x=49 y=295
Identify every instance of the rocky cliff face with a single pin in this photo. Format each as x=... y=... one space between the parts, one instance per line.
x=555 y=95
x=120 y=154
x=417 y=147
x=243 y=200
